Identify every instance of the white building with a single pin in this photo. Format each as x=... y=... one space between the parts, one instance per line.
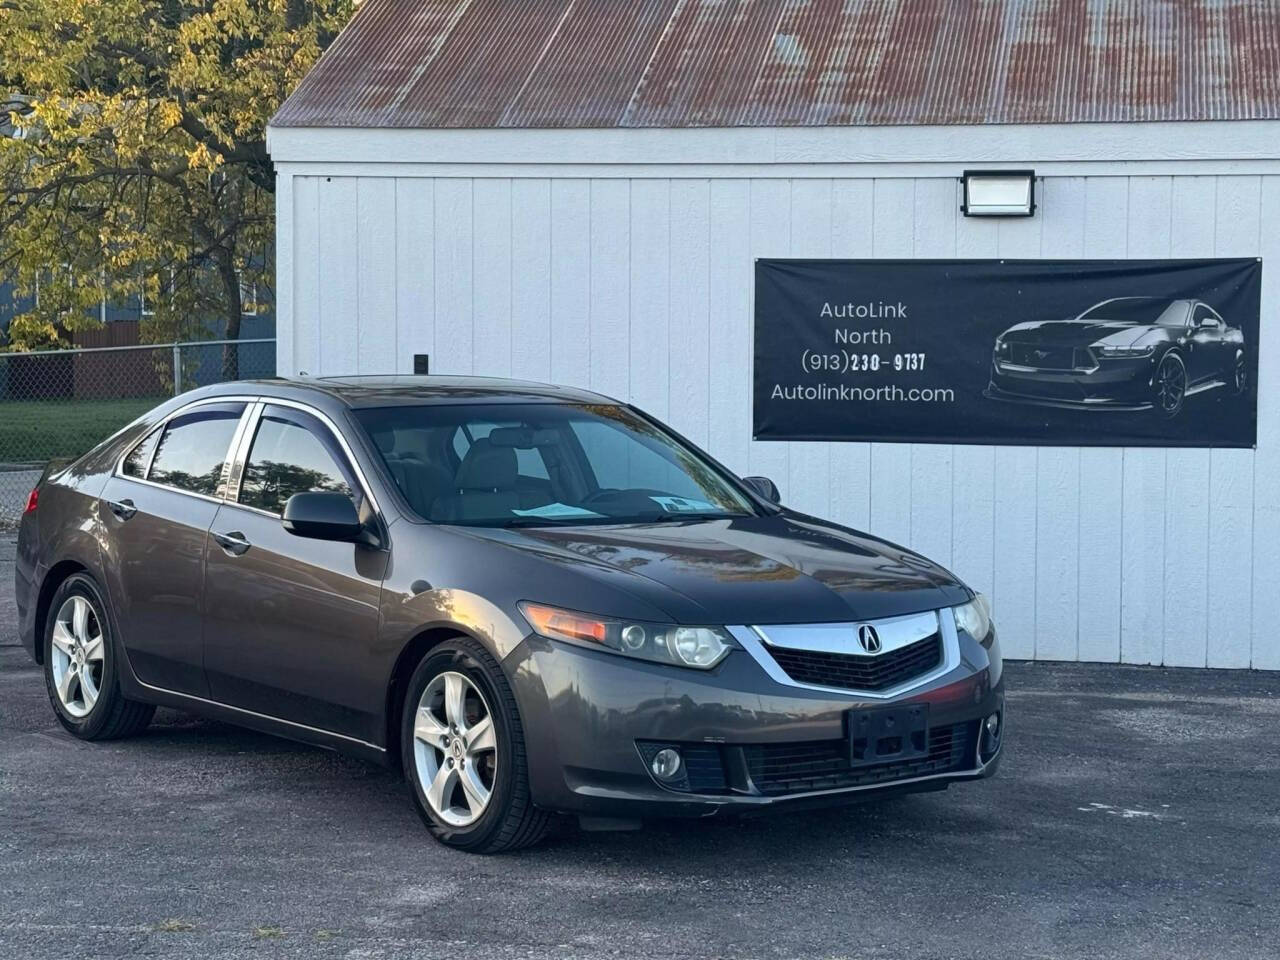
x=576 y=192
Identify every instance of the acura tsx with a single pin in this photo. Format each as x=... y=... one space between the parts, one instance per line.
x=535 y=601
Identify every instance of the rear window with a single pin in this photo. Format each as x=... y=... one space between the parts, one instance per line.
x=135 y=464
x=194 y=448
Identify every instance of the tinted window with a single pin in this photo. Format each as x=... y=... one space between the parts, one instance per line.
x=135 y=464
x=621 y=464
x=1143 y=310
x=193 y=448
x=1205 y=315
x=529 y=463
x=291 y=453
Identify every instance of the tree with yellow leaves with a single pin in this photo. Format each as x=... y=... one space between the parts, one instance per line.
x=137 y=162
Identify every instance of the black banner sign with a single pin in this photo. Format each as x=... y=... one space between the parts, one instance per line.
x=1049 y=352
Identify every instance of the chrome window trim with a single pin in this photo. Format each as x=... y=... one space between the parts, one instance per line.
x=242 y=455
x=228 y=465
x=238 y=450
x=118 y=469
x=235 y=460
x=755 y=642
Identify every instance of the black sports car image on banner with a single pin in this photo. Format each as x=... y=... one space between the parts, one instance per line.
x=1051 y=352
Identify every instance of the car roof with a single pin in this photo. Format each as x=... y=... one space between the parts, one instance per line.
x=405 y=390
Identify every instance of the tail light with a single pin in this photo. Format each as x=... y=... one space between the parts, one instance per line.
x=33 y=500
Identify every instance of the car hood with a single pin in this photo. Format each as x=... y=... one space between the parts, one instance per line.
x=752 y=570
x=1076 y=333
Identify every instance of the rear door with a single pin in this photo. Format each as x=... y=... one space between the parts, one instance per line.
x=156 y=510
x=290 y=622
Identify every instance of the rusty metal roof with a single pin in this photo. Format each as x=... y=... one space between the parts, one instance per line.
x=728 y=63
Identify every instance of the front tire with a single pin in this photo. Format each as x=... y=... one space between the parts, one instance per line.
x=80 y=669
x=462 y=749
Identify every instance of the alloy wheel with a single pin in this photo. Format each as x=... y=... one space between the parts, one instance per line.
x=78 y=655
x=455 y=748
x=1172 y=384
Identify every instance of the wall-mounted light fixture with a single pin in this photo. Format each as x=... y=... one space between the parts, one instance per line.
x=999 y=193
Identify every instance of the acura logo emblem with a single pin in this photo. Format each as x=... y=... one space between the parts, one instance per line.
x=868 y=638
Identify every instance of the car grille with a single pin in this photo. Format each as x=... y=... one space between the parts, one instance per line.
x=1049 y=357
x=824 y=764
x=849 y=672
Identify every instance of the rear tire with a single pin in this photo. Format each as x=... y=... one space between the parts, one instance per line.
x=81 y=670
x=1170 y=385
x=460 y=720
x=1240 y=376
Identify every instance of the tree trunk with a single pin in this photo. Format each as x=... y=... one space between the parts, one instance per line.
x=296 y=14
x=234 y=308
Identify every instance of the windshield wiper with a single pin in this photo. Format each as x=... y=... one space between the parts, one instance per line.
x=681 y=517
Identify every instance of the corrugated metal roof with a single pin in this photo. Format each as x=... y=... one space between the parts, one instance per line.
x=727 y=63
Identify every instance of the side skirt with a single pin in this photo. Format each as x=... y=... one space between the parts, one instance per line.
x=136 y=689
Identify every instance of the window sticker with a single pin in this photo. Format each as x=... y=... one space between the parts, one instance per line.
x=551 y=510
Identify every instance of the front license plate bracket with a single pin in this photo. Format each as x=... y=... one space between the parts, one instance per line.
x=888 y=734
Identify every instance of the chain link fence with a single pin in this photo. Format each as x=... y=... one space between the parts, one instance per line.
x=56 y=404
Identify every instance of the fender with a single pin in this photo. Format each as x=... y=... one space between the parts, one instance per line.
x=406 y=615
x=70 y=545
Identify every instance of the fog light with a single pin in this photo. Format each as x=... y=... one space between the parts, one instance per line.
x=666 y=764
x=990 y=737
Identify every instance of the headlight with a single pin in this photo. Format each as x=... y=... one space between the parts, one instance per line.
x=1113 y=352
x=1001 y=347
x=974 y=617
x=699 y=647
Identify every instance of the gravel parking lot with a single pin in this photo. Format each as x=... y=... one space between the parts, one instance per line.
x=1137 y=814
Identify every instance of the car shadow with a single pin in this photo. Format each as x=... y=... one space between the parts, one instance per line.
x=862 y=829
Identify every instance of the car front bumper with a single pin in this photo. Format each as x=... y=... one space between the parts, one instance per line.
x=592 y=720
x=1117 y=384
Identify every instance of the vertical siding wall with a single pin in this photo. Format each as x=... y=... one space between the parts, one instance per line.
x=642 y=289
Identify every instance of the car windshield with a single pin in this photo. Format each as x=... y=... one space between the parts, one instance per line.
x=545 y=464
x=1147 y=311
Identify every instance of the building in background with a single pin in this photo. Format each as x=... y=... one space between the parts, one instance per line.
x=577 y=192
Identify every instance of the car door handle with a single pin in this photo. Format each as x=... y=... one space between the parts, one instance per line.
x=234 y=542
x=124 y=509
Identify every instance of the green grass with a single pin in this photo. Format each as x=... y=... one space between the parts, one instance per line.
x=33 y=431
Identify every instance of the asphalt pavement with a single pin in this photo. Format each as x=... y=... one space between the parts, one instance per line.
x=1136 y=814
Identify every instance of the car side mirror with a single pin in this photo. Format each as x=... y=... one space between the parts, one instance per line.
x=765 y=487
x=323 y=515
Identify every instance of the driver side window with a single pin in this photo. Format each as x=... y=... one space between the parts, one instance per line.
x=1205 y=317
x=291 y=453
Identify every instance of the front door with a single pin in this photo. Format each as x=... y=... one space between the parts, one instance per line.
x=290 y=622
x=1205 y=359
x=156 y=513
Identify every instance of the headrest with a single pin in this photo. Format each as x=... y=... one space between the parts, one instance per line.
x=487 y=467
